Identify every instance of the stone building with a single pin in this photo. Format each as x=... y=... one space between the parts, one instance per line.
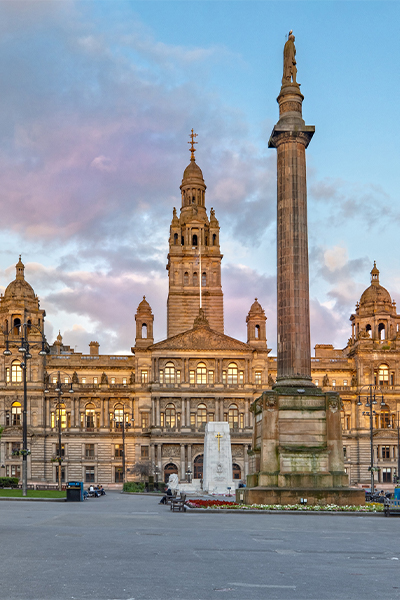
x=165 y=392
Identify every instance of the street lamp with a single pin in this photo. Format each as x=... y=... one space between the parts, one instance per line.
x=24 y=349
x=370 y=402
x=59 y=391
x=122 y=423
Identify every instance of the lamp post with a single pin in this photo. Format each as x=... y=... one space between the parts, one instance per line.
x=24 y=349
x=189 y=475
x=58 y=390
x=122 y=423
x=370 y=401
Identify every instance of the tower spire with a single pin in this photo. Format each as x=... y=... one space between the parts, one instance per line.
x=192 y=143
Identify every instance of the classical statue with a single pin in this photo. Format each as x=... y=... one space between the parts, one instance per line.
x=289 y=61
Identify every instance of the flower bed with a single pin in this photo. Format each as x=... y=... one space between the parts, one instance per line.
x=222 y=504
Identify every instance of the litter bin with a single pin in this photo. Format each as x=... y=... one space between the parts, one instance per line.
x=397 y=493
x=75 y=491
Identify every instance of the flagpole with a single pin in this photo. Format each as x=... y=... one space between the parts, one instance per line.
x=200 y=272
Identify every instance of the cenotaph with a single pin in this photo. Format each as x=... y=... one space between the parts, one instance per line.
x=297 y=451
x=217 y=460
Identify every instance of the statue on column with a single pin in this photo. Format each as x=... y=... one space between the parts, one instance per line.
x=289 y=61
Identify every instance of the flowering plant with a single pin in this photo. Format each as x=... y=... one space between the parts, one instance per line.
x=221 y=504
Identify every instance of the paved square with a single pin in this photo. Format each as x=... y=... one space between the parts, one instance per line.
x=122 y=547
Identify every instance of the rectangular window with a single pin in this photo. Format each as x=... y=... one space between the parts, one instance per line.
x=193 y=419
x=385 y=451
x=15 y=447
x=211 y=377
x=333 y=382
x=145 y=420
x=391 y=378
x=54 y=379
x=347 y=422
x=161 y=376
x=89 y=450
x=345 y=382
x=344 y=452
x=241 y=376
x=124 y=381
x=316 y=381
x=144 y=452
x=191 y=374
x=145 y=377
x=178 y=377
x=52 y=420
x=113 y=380
x=241 y=417
x=211 y=417
x=258 y=377
x=89 y=474
x=83 y=379
x=8 y=374
x=13 y=471
x=118 y=450
x=95 y=380
x=162 y=419
x=223 y=376
x=62 y=450
x=386 y=475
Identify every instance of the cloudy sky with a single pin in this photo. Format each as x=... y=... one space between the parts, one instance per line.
x=97 y=101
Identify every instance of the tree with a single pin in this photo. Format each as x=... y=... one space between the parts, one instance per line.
x=142 y=468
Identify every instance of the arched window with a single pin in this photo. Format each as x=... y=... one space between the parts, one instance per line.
x=175 y=239
x=186 y=278
x=383 y=375
x=204 y=279
x=257 y=332
x=194 y=240
x=16 y=413
x=16 y=326
x=214 y=239
x=89 y=416
x=170 y=415
x=62 y=415
x=236 y=471
x=16 y=372
x=385 y=419
x=201 y=373
x=232 y=373
x=381 y=331
x=169 y=469
x=118 y=414
x=198 y=467
x=169 y=372
x=201 y=414
x=144 y=331
x=368 y=329
x=195 y=279
x=233 y=416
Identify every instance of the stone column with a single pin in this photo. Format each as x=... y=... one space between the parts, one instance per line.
x=159 y=455
x=189 y=456
x=183 y=415
x=158 y=412
x=183 y=468
x=291 y=137
x=188 y=412
x=246 y=413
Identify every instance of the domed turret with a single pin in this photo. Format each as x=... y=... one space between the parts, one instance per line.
x=375 y=318
x=144 y=324
x=256 y=334
x=19 y=288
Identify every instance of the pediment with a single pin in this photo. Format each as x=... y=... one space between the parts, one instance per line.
x=201 y=338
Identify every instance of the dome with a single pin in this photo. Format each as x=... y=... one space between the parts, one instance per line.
x=19 y=288
x=256 y=307
x=192 y=171
x=375 y=293
x=144 y=306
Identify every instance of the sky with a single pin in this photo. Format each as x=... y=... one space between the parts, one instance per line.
x=96 y=105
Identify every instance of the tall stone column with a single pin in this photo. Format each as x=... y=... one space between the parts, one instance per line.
x=291 y=137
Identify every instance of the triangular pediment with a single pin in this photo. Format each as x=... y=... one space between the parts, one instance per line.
x=201 y=338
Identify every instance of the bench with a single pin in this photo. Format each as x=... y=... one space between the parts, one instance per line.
x=171 y=498
x=391 y=507
x=178 y=503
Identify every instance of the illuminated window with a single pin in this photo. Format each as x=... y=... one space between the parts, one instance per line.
x=16 y=372
x=383 y=375
x=16 y=410
x=191 y=374
x=145 y=420
x=112 y=379
x=258 y=377
x=145 y=377
x=232 y=373
x=144 y=452
x=89 y=450
x=201 y=414
x=118 y=450
x=170 y=415
x=233 y=416
x=169 y=372
x=89 y=416
x=201 y=374
x=211 y=377
x=61 y=414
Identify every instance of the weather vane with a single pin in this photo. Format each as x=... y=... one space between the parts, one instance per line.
x=192 y=143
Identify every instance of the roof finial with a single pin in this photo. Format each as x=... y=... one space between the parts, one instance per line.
x=192 y=142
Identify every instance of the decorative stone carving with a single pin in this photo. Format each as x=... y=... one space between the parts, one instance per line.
x=132 y=378
x=201 y=338
x=237 y=451
x=171 y=450
x=104 y=379
x=75 y=378
x=271 y=380
x=325 y=381
x=334 y=403
x=197 y=449
x=270 y=402
x=354 y=380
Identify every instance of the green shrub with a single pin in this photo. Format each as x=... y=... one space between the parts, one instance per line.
x=8 y=482
x=133 y=486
